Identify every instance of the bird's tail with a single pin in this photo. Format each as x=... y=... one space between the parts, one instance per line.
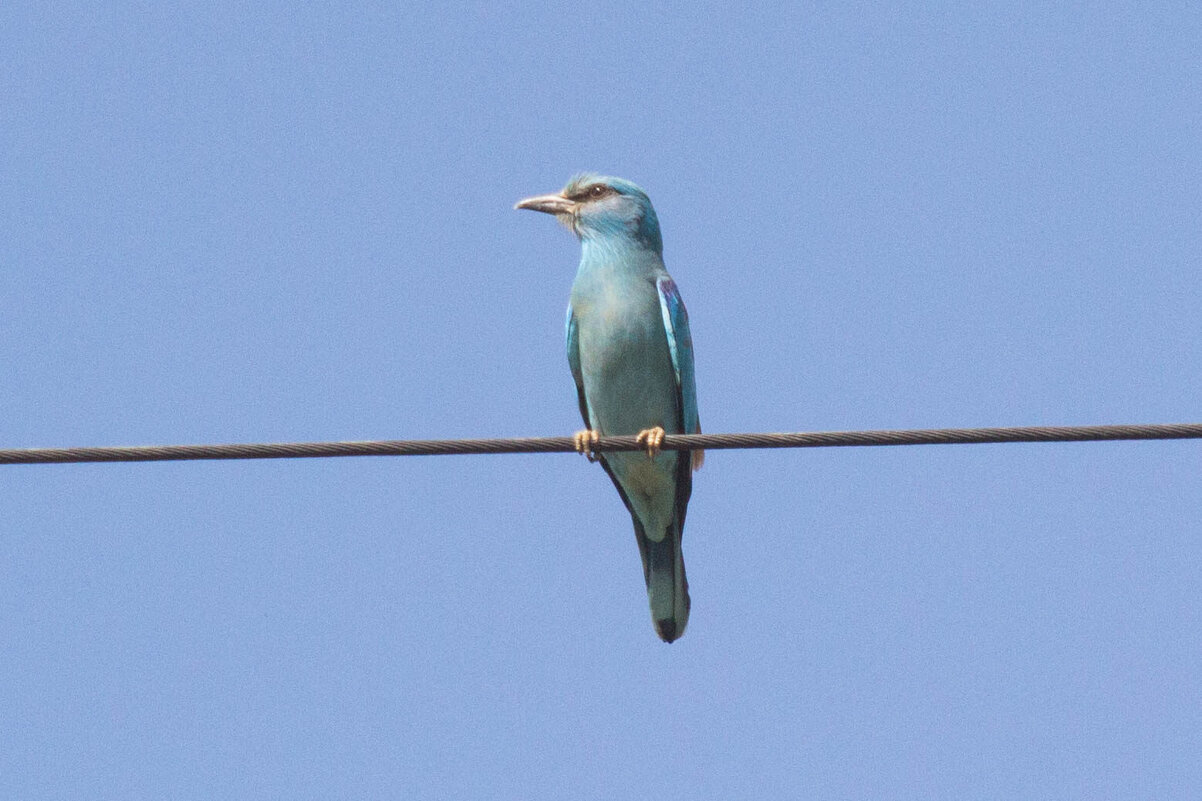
x=667 y=587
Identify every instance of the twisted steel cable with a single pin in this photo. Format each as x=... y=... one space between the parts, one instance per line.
x=821 y=439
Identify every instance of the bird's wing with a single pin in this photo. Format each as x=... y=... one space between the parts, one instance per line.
x=680 y=345
x=574 y=364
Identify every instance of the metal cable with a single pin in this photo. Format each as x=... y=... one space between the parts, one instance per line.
x=821 y=439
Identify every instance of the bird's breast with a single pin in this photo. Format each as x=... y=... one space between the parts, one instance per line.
x=629 y=381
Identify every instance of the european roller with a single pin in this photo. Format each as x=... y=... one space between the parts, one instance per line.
x=631 y=355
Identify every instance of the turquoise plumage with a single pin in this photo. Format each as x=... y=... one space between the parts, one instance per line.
x=631 y=354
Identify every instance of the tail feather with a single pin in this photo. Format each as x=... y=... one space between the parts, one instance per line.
x=667 y=586
x=663 y=561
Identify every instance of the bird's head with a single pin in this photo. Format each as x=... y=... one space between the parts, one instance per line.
x=598 y=207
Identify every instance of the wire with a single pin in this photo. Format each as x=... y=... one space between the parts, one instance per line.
x=821 y=439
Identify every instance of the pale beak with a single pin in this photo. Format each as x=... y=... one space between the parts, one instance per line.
x=550 y=204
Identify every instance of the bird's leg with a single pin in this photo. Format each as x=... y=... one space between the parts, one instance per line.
x=653 y=438
x=585 y=442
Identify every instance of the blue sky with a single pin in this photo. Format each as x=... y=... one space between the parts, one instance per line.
x=223 y=223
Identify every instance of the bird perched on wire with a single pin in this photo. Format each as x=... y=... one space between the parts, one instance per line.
x=631 y=354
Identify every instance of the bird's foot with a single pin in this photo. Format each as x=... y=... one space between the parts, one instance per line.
x=652 y=439
x=586 y=443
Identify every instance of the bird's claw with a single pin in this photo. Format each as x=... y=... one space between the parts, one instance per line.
x=652 y=439
x=586 y=443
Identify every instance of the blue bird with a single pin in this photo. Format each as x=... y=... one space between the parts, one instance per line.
x=631 y=355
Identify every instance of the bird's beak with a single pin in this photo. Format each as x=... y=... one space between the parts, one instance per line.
x=550 y=204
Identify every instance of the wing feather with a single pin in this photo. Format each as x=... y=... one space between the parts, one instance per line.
x=574 y=364
x=680 y=345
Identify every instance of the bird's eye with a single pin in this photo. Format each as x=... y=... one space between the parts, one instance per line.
x=597 y=191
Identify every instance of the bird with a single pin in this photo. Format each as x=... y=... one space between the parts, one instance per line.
x=631 y=355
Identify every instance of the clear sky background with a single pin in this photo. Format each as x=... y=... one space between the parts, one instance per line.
x=282 y=222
